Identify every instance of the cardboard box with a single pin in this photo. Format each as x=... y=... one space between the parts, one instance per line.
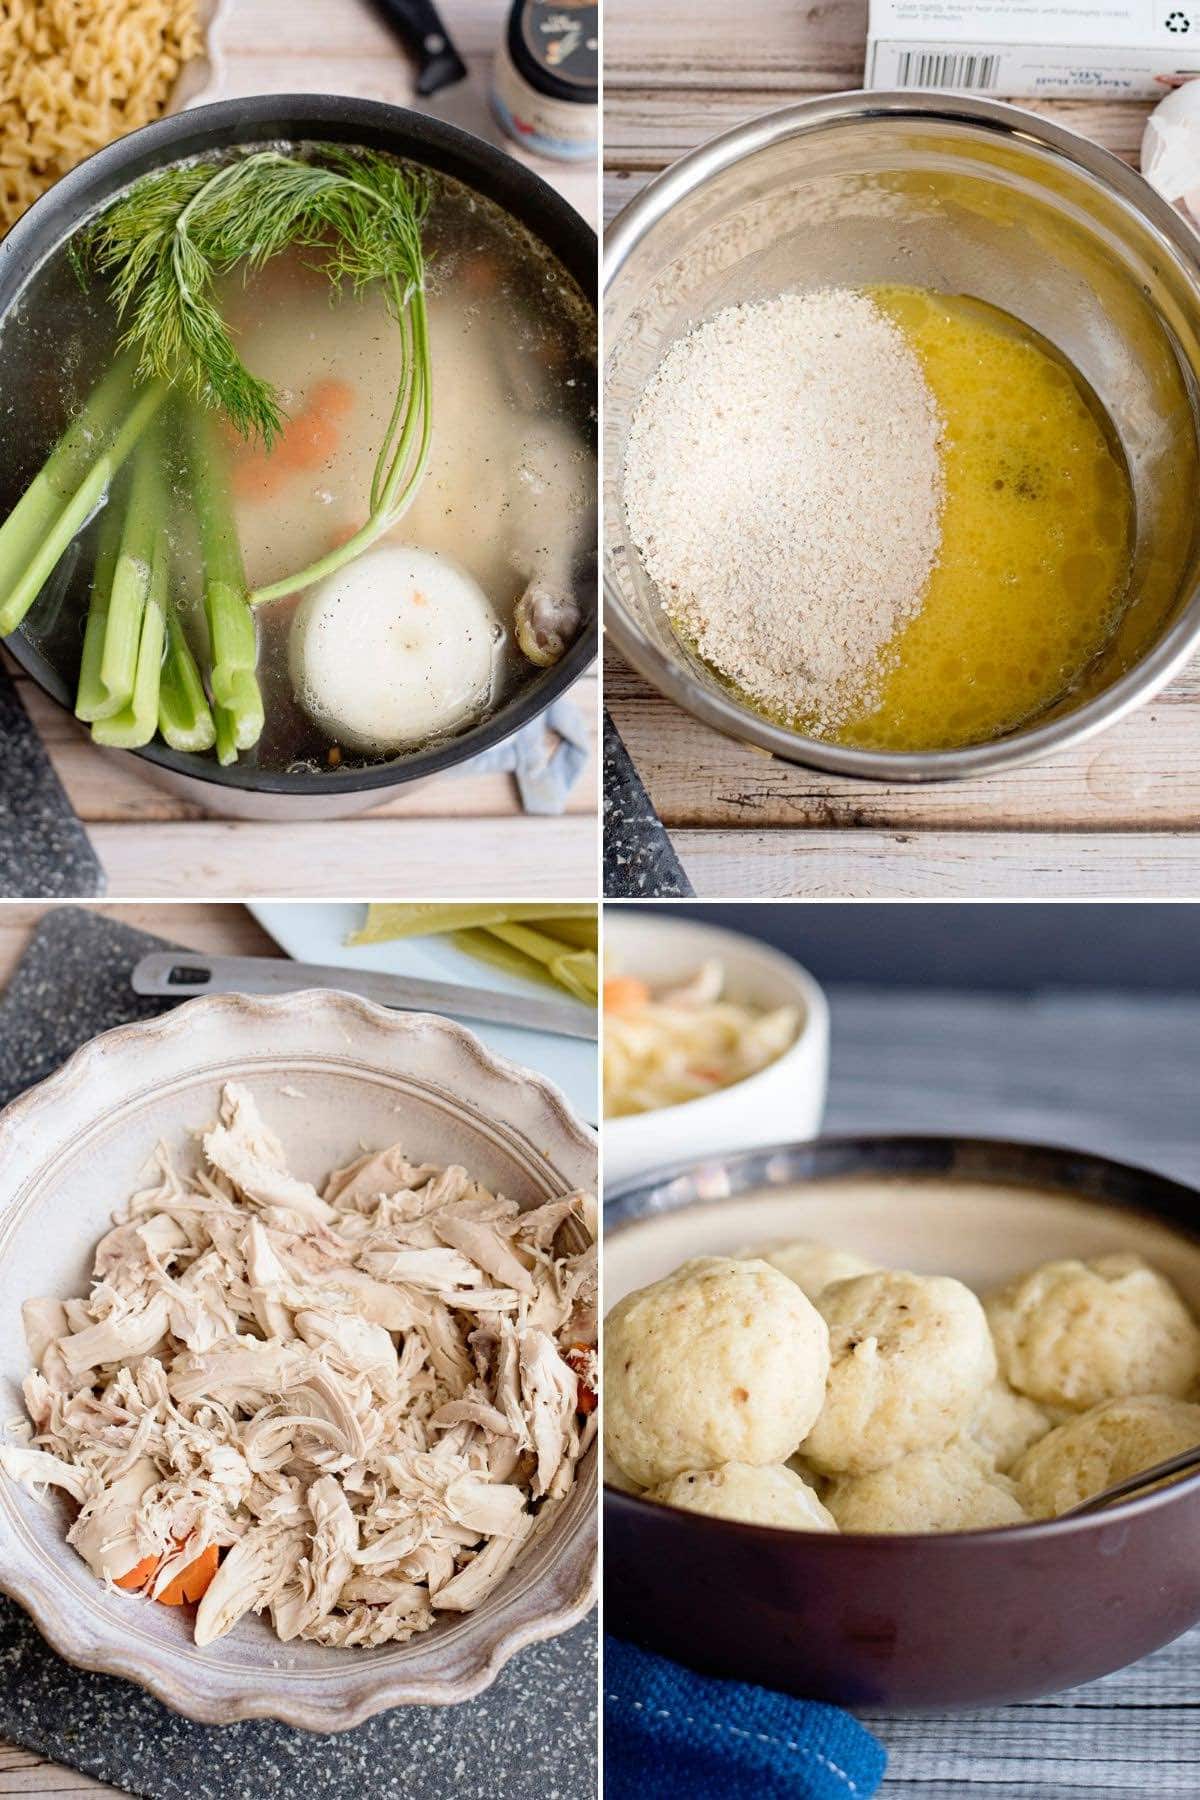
x=1073 y=49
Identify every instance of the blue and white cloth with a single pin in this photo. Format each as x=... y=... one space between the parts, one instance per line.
x=675 y=1735
x=547 y=756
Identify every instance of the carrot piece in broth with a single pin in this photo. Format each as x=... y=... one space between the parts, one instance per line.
x=309 y=439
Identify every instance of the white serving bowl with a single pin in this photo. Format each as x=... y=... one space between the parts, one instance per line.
x=333 y=1074
x=787 y=1098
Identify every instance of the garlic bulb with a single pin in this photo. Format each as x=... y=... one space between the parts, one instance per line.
x=1171 y=149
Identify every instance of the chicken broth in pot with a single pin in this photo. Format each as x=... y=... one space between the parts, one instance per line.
x=423 y=634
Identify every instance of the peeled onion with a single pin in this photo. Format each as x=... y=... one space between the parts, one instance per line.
x=397 y=647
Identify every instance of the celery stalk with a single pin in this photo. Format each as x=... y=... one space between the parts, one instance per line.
x=136 y=630
x=423 y=918
x=575 y=970
x=481 y=944
x=30 y=547
x=233 y=637
x=137 y=723
x=27 y=525
x=575 y=934
x=226 y=740
x=140 y=561
x=184 y=715
x=93 y=701
x=534 y=956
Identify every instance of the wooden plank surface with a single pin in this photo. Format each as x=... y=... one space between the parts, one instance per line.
x=937 y=865
x=458 y=835
x=112 y=788
x=21 y=1772
x=1112 y=1074
x=1123 y=1738
x=746 y=823
x=335 y=46
x=353 y=859
x=345 y=47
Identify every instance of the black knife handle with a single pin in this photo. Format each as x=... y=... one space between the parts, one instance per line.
x=420 y=29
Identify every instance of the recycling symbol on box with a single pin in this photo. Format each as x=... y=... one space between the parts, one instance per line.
x=1178 y=21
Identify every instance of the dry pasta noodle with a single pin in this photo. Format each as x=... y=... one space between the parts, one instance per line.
x=74 y=75
x=681 y=1043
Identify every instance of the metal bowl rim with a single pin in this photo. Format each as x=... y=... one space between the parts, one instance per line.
x=670 y=676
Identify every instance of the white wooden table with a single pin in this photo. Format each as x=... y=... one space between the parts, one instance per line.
x=454 y=836
x=1118 y=816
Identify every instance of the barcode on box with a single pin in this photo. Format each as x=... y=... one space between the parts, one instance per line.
x=945 y=69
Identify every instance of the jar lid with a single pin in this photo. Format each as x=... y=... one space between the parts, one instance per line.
x=555 y=45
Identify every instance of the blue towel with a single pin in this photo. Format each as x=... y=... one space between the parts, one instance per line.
x=547 y=756
x=676 y=1735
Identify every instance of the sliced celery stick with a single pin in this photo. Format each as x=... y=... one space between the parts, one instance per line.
x=233 y=636
x=28 y=558
x=429 y=917
x=93 y=701
x=576 y=970
x=184 y=715
x=488 y=949
x=142 y=551
x=137 y=723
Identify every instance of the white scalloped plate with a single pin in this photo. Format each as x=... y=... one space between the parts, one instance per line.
x=332 y=1074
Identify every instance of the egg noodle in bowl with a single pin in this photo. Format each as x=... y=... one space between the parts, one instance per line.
x=665 y=1046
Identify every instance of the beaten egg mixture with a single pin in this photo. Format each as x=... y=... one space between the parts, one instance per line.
x=1036 y=532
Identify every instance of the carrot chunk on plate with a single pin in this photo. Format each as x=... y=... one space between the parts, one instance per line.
x=135 y=1579
x=193 y=1582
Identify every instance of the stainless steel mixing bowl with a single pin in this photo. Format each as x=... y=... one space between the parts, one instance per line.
x=962 y=196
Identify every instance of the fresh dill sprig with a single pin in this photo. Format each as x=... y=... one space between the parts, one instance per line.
x=167 y=242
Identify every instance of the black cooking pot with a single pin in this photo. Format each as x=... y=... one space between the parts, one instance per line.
x=242 y=790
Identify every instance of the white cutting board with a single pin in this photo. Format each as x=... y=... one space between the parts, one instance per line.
x=317 y=933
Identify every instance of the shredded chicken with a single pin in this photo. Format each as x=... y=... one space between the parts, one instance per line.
x=349 y=1408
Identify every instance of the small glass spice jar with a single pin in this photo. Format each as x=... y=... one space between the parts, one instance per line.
x=545 y=81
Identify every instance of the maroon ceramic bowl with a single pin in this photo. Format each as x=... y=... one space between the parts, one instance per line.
x=965 y=1619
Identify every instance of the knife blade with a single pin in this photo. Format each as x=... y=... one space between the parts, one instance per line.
x=182 y=974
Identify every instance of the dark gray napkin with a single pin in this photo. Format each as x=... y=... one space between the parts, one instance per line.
x=531 y=1736
x=44 y=849
x=639 y=859
x=71 y=983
